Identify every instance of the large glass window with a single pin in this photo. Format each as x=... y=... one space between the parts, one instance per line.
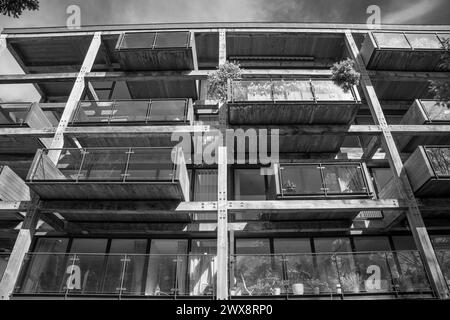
x=252 y=246
x=126 y=260
x=54 y=245
x=249 y=184
x=292 y=245
x=202 y=267
x=167 y=267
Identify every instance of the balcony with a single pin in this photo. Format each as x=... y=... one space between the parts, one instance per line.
x=22 y=115
x=424 y=112
x=343 y=275
x=145 y=51
x=159 y=112
x=12 y=189
x=111 y=174
x=117 y=275
x=158 y=51
x=321 y=180
x=403 y=51
x=287 y=102
x=428 y=170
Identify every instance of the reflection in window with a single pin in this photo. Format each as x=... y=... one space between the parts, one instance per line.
x=249 y=184
x=205 y=188
x=391 y=40
x=167 y=266
x=202 y=267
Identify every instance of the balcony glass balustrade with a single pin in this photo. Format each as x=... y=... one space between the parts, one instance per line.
x=436 y=111
x=138 y=112
x=107 y=164
x=117 y=275
x=323 y=180
x=392 y=273
x=443 y=257
x=439 y=159
x=307 y=90
x=154 y=40
x=14 y=116
x=408 y=41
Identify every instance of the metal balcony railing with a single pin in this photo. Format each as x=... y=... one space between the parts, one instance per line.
x=301 y=90
x=131 y=112
x=409 y=41
x=107 y=165
x=118 y=275
x=439 y=159
x=162 y=40
x=381 y=272
x=322 y=180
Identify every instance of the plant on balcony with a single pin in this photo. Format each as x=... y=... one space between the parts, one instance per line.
x=261 y=90
x=351 y=282
x=289 y=186
x=218 y=80
x=441 y=88
x=345 y=75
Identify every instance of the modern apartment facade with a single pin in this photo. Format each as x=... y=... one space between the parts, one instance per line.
x=100 y=201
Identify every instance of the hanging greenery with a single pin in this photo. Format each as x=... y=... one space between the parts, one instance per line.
x=441 y=88
x=345 y=75
x=218 y=80
x=16 y=7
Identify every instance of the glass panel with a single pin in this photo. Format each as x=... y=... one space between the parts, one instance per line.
x=167 y=110
x=171 y=39
x=440 y=160
x=257 y=276
x=4 y=258
x=87 y=273
x=325 y=90
x=138 y=40
x=252 y=90
x=205 y=188
x=304 y=278
x=68 y=164
x=104 y=164
x=344 y=179
x=435 y=110
x=113 y=274
x=130 y=111
x=301 y=179
x=133 y=282
x=292 y=245
x=292 y=90
x=332 y=245
x=252 y=246
x=424 y=41
x=88 y=246
x=412 y=275
x=150 y=164
x=14 y=117
x=381 y=176
x=202 y=267
x=443 y=256
x=93 y=111
x=167 y=267
x=249 y=184
x=54 y=245
x=47 y=273
x=391 y=40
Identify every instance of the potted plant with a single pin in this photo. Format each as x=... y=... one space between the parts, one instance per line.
x=405 y=282
x=289 y=186
x=345 y=75
x=218 y=80
x=315 y=285
x=298 y=278
x=351 y=282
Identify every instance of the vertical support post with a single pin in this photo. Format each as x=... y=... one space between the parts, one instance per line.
x=75 y=96
x=401 y=180
x=2 y=43
x=20 y=248
x=222 y=198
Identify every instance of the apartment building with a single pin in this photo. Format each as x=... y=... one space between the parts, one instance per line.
x=100 y=201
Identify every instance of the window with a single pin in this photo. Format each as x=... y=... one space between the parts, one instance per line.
x=403 y=243
x=167 y=267
x=252 y=246
x=292 y=245
x=371 y=244
x=205 y=187
x=53 y=245
x=249 y=184
x=202 y=267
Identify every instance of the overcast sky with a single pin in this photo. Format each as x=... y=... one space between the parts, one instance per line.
x=98 y=12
